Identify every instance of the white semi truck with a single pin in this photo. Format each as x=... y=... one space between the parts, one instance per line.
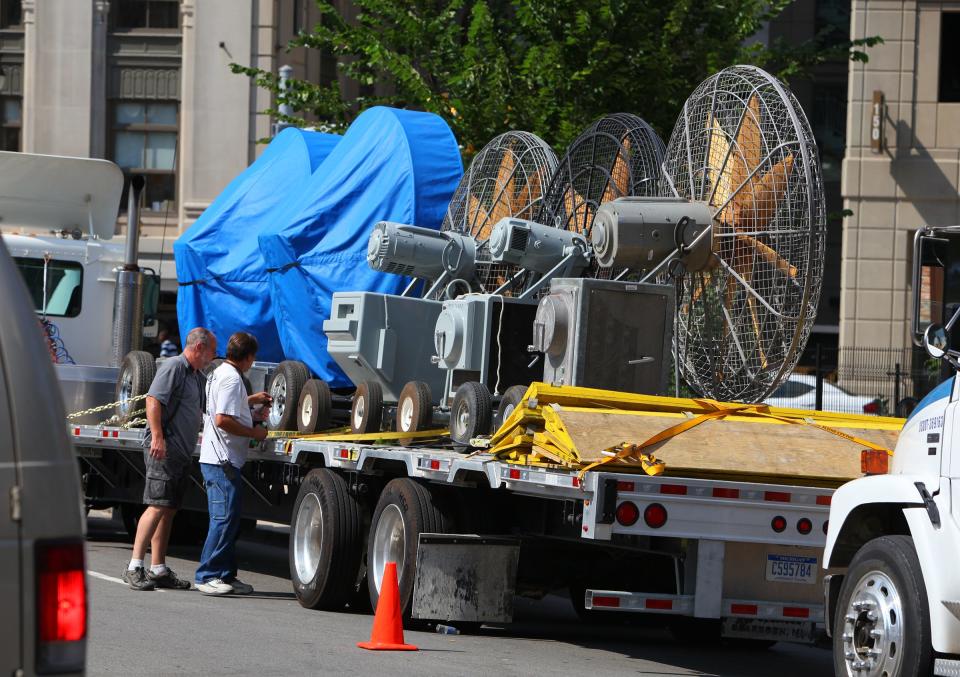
x=893 y=542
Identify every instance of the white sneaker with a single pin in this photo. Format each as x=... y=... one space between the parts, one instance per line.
x=215 y=586
x=240 y=588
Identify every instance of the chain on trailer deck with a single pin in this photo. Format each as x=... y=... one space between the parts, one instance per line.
x=124 y=421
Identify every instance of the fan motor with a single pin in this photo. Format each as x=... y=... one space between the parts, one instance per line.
x=640 y=232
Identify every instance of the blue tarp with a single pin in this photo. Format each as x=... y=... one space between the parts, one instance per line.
x=223 y=279
x=392 y=165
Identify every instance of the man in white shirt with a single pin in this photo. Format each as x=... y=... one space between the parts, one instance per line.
x=228 y=432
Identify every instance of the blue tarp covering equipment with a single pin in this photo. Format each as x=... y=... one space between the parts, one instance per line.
x=267 y=255
x=223 y=278
x=392 y=165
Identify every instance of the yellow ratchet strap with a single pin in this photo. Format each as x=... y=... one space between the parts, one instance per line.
x=719 y=410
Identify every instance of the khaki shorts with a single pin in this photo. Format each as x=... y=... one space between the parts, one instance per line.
x=166 y=481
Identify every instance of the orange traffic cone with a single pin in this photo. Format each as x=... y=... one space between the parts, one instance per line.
x=387 y=632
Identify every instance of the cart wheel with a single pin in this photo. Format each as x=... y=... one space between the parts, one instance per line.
x=511 y=398
x=285 y=390
x=366 y=414
x=471 y=414
x=313 y=409
x=414 y=408
x=136 y=374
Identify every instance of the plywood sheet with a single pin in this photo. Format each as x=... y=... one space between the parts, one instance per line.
x=725 y=447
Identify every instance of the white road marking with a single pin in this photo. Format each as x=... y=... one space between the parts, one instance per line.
x=104 y=577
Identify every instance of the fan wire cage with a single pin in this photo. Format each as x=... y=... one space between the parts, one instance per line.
x=617 y=156
x=505 y=179
x=743 y=145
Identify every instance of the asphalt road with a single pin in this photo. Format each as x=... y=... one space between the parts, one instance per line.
x=183 y=632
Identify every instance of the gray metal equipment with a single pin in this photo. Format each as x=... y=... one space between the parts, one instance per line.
x=382 y=342
x=368 y=335
x=606 y=334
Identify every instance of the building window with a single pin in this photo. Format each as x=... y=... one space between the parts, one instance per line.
x=830 y=126
x=10 y=123
x=132 y=14
x=10 y=16
x=61 y=280
x=144 y=141
x=949 y=57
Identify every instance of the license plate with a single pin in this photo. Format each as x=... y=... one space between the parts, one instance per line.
x=792 y=569
x=779 y=631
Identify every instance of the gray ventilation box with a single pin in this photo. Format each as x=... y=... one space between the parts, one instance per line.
x=606 y=334
x=379 y=337
x=484 y=338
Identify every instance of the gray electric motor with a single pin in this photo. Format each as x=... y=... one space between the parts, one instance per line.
x=379 y=337
x=606 y=334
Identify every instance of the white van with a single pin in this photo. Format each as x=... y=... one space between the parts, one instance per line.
x=43 y=588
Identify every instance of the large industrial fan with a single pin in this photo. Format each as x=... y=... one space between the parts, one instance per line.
x=743 y=145
x=384 y=342
x=741 y=230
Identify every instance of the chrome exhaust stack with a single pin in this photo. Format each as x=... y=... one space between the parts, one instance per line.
x=128 y=295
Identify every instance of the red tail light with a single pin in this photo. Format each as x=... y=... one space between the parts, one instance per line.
x=628 y=513
x=655 y=515
x=61 y=606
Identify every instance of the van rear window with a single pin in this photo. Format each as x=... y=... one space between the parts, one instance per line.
x=64 y=285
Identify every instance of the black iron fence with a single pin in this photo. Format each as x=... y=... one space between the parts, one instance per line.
x=881 y=381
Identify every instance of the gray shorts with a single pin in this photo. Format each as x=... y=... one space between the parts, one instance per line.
x=166 y=480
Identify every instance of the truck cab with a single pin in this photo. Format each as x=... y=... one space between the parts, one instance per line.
x=893 y=541
x=59 y=215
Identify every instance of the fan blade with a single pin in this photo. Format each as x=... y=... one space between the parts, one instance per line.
x=769 y=255
x=503 y=199
x=756 y=203
x=619 y=174
x=477 y=217
x=749 y=142
x=717 y=154
x=577 y=210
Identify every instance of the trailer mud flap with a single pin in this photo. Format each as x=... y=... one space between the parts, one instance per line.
x=464 y=577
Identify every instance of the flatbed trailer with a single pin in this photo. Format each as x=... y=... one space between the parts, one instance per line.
x=738 y=558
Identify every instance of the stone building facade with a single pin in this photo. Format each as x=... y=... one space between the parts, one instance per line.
x=902 y=163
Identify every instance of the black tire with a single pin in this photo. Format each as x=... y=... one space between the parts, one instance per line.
x=136 y=374
x=511 y=398
x=326 y=541
x=421 y=511
x=366 y=412
x=414 y=408
x=285 y=388
x=471 y=414
x=314 y=407
x=884 y=563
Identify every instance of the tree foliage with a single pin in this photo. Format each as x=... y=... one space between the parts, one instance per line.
x=545 y=66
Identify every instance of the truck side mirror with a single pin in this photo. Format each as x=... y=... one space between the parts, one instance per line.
x=935 y=341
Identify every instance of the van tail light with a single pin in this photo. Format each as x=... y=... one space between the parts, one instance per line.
x=874 y=461
x=61 y=606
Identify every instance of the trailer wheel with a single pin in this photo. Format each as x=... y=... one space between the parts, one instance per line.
x=511 y=398
x=883 y=619
x=285 y=390
x=366 y=413
x=471 y=413
x=313 y=409
x=136 y=374
x=414 y=408
x=326 y=541
x=405 y=510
